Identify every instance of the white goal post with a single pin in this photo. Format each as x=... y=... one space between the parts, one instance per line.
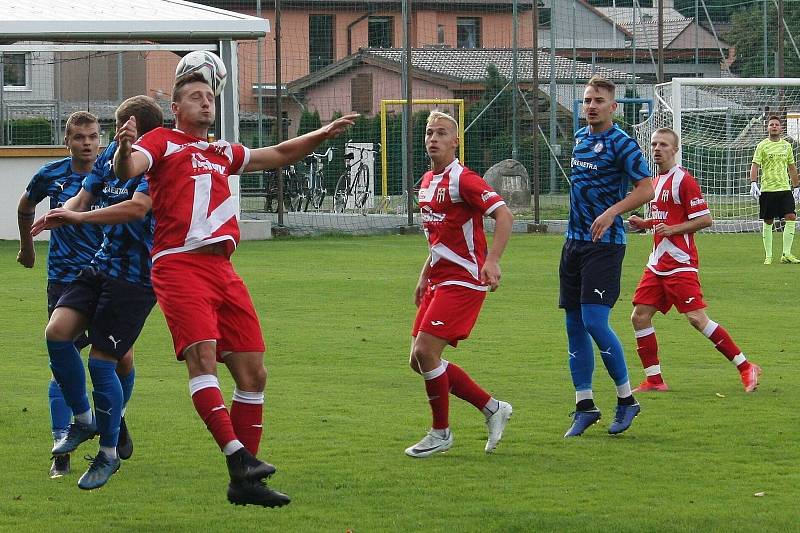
x=720 y=122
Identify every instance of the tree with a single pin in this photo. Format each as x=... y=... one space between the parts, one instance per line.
x=747 y=37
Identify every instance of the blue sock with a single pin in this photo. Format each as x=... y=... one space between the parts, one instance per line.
x=67 y=367
x=107 y=396
x=127 y=387
x=581 y=354
x=60 y=413
x=595 y=318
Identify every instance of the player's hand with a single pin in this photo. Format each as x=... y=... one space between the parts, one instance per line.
x=127 y=135
x=419 y=292
x=339 y=125
x=601 y=224
x=490 y=274
x=755 y=191
x=26 y=257
x=664 y=230
x=54 y=219
x=637 y=222
x=796 y=194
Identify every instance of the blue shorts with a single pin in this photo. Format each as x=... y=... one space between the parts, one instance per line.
x=589 y=273
x=54 y=292
x=116 y=309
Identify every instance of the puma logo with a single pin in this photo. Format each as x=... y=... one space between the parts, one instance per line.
x=598 y=291
x=572 y=355
x=105 y=412
x=437 y=323
x=690 y=300
x=61 y=185
x=112 y=339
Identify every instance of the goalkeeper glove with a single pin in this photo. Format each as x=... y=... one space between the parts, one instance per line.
x=755 y=192
x=796 y=194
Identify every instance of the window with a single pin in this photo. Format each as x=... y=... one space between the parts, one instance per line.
x=15 y=72
x=381 y=32
x=320 y=41
x=361 y=93
x=440 y=33
x=544 y=17
x=468 y=33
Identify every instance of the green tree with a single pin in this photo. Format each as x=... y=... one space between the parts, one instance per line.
x=309 y=122
x=747 y=36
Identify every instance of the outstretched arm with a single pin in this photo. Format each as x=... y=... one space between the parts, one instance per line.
x=128 y=163
x=504 y=220
x=26 y=211
x=294 y=150
x=128 y=211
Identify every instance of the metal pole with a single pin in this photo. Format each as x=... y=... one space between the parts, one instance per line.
x=260 y=81
x=697 y=37
x=119 y=78
x=2 y=107
x=780 y=43
x=660 y=74
x=408 y=170
x=515 y=84
x=574 y=54
x=553 y=99
x=278 y=105
x=766 y=49
x=535 y=111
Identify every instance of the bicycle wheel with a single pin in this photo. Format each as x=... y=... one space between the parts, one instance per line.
x=317 y=197
x=361 y=186
x=340 y=193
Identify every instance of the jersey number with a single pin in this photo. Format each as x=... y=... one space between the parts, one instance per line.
x=204 y=224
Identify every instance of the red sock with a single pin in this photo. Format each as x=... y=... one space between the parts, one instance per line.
x=437 y=386
x=647 y=348
x=246 y=417
x=722 y=341
x=462 y=386
x=210 y=406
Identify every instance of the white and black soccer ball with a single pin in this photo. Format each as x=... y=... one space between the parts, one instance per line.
x=206 y=63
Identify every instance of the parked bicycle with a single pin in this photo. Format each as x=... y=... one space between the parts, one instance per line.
x=265 y=185
x=314 y=186
x=354 y=183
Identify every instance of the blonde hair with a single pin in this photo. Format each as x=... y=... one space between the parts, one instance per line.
x=669 y=131
x=436 y=115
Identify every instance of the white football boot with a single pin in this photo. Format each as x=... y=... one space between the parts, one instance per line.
x=430 y=444
x=496 y=424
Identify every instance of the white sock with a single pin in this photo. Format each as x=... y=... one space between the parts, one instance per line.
x=441 y=433
x=84 y=418
x=491 y=407
x=111 y=452
x=232 y=447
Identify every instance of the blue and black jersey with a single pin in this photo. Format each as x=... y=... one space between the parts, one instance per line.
x=603 y=166
x=125 y=252
x=71 y=247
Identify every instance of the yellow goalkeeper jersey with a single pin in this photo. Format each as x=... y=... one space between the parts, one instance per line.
x=774 y=158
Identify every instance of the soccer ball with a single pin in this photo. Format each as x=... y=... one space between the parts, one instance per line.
x=206 y=63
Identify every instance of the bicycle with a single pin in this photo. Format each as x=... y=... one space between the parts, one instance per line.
x=292 y=195
x=354 y=183
x=315 y=190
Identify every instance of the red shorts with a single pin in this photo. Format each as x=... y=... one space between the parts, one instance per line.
x=681 y=289
x=448 y=312
x=204 y=299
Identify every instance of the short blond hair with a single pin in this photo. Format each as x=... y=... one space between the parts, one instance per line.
x=669 y=131
x=436 y=115
x=80 y=118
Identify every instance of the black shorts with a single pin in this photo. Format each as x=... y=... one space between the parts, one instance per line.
x=116 y=309
x=589 y=273
x=54 y=292
x=777 y=204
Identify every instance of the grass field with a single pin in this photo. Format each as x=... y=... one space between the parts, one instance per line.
x=342 y=405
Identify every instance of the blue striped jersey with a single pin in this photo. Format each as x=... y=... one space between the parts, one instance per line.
x=603 y=166
x=125 y=252
x=72 y=246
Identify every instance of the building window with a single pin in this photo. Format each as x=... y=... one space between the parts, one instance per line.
x=15 y=71
x=381 y=32
x=544 y=17
x=469 y=32
x=440 y=33
x=361 y=93
x=320 y=39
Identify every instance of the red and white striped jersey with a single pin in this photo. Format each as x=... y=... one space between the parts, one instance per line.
x=192 y=201
x=453 y=205
x=678 y=199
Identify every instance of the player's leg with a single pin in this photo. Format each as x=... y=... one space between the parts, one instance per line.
x=579 y=344
x=764 y=208
x=790 y=221
x=648 y=298
x=60 y=413
x=600 y=288
x=748 y=372
x=127 y=378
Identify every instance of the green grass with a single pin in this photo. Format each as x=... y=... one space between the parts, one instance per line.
x=342 y=405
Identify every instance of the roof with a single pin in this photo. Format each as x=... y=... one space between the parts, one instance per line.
x=644 y=27
x=484 y=5
x=466 y=65
x=156 y=20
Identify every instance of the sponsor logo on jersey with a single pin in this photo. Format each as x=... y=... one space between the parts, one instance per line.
x=428 y=215
x=598 y=147
x=200 y=162
x=658 y=214
x=108 y=189
x=697 y=201
x=583 y=164
x=487 y=194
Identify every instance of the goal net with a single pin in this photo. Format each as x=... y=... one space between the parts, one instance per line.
x=720 y=122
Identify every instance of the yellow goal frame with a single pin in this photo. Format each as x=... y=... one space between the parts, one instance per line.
x=435 y=101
